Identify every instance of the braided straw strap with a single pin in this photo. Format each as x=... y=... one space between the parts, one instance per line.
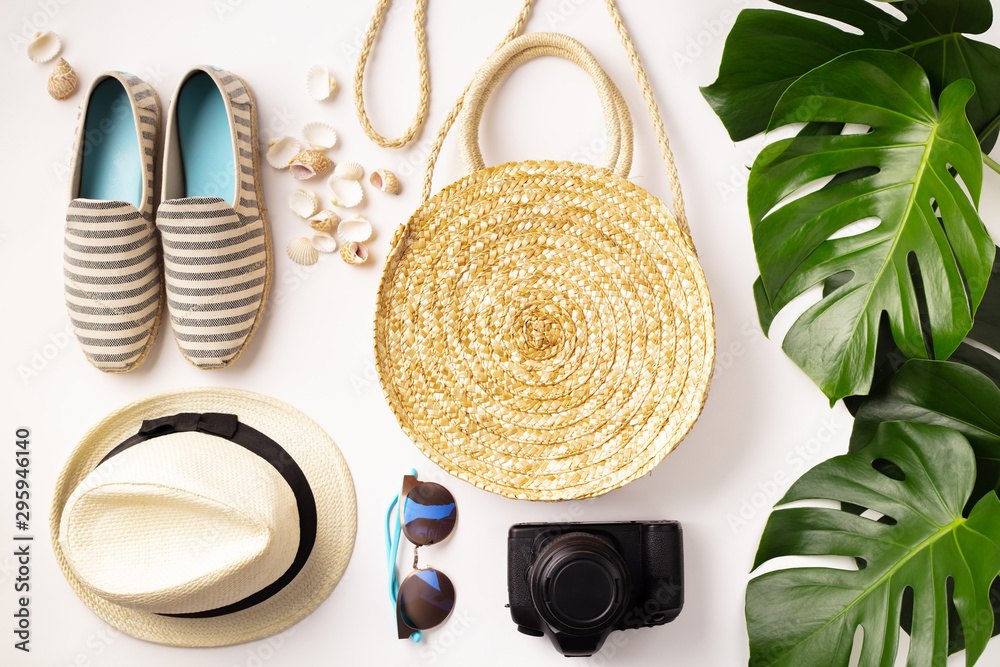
x=528 y=47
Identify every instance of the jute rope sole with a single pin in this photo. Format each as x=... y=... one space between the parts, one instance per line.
x=544 y=330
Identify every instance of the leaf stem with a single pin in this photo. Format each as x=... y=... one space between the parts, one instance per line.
x=994 y=124
x=932 y=40
x=991 y=163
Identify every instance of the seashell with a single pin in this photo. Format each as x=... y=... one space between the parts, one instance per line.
x=324 y=221
x=309 y=163
x=324 y=243
x=354 y=253
x=319 y=135
x=345 y=193
x=281 y=151
x=349 y=171
x=355 y=228
x=301 y=251
x=62 y=81
x=303 y=202
x=385 y=180
x=319 y=83
x=44 y=46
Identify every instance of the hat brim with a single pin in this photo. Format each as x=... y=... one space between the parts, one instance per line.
x=314 y=452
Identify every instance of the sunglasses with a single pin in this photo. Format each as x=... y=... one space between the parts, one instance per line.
x=426 y=515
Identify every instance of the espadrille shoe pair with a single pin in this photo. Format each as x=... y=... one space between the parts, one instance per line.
x=208 y=255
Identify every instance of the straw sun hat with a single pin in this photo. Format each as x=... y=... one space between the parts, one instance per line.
x=204 y=517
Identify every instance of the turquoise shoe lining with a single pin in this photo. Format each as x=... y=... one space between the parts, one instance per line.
x=112 y=167
x=206 y=141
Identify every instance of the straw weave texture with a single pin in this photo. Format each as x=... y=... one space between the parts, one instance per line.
x=544 y=330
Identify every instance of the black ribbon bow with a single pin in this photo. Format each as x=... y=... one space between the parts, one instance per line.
x=213 y=423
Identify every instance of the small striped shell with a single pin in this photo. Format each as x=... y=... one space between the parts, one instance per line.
x=324 y=221
x=308 y=163
x=44 y=46
x=281 y=152
x=350 y=171
x=385 y=180
x=345 y=193
x=62 y=81
x=354 y=253
x=301 y=251
x=304 y=203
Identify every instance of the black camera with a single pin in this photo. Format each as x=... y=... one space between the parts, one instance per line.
x=578 y=582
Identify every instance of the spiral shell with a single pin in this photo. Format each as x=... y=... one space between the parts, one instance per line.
x=355 y=228
x=354 y=253
x=324 y=243
x=301 y=251
x=349 y=171
x=44 y=46
x=281 y=152
x=324 y=221
x=347 y=194
x=303 y=202
x=319 y=135
x=385 y=180
x=309 y=163
x=62 y=81
x=319 y=83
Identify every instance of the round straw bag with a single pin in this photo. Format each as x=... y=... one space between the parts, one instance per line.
x=543 y=329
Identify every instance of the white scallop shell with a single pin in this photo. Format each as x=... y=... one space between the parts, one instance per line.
x=324 y=243
x=281 y=151
x=301 y=251
x=44 y=46
x=354 y=253
x=349 y=171
x=345 y=193
x=319 y=83
x=303 y=202
x=385 y=180
x=319 y=135
x=355 y=228
x=324 y=221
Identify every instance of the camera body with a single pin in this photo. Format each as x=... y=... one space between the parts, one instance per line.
x=579 y=582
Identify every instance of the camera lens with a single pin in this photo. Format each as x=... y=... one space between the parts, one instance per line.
x=579 y=583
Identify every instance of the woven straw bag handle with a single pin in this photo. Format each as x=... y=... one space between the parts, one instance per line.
x=521 y=50
x=420 y=118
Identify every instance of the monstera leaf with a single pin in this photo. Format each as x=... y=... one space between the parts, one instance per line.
x=923 y=550
x=768 y=49
x=899 y=172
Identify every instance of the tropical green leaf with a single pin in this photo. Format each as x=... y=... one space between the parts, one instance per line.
x=919 y=478
x=949 y=394
x=943 y=393
x=901 y=175
x=769 y=49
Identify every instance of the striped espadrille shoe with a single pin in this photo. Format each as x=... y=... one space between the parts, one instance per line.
x=216 y=238
x=113 y=286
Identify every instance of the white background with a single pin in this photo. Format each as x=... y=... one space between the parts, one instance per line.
x=764 y=424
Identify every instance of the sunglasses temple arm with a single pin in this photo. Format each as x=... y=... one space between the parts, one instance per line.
x=392 y=535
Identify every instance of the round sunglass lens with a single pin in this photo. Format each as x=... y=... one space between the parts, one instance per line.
x=426 y=598
x=429 y=514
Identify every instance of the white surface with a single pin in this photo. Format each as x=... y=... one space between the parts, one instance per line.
x=764 y=424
